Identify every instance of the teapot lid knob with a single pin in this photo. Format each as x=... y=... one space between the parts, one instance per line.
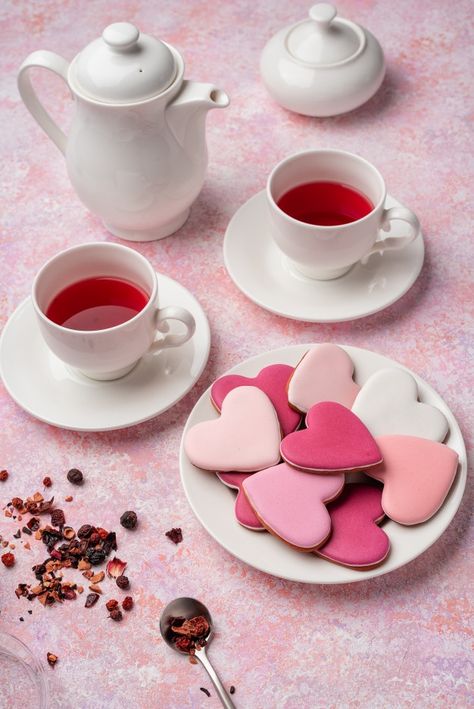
x=323 y=13
x=121 y=36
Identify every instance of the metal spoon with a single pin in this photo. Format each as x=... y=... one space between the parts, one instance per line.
x=190 y=608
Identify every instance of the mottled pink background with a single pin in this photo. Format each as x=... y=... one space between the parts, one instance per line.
x=398 y=641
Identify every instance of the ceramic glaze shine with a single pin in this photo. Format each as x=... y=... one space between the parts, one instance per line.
x=325 y=203
x=97 y=303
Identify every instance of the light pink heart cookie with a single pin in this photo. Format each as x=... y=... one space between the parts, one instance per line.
x=290 y=503
x=417 y=475
x=324 y=374
x=388 y=405
x=244 y=513
x=334 y=440
x=273 y=381
x=246 y=437
x=356 y=540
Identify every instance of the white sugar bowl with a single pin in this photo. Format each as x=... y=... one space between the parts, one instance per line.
x=322 y=66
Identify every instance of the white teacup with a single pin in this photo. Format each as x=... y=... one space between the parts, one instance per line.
x=113 y=352
x=326 y=252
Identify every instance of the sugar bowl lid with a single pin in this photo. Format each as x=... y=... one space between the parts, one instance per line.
x=123 y=66
x=325 y=39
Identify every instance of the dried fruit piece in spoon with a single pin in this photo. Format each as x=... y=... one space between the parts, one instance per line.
x=189 y=635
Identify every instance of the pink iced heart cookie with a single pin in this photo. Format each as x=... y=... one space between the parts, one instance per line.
x=356 y=540
x=246 y=437
x=273 y=381
x=244 y=514
x=324 y=374
x=334 y=440
x=388 y=404
x=417 y=475
x=290 y=503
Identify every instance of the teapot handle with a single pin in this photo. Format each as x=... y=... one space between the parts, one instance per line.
x=55 y=63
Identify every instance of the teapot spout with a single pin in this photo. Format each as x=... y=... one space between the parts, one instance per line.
x=187 y=112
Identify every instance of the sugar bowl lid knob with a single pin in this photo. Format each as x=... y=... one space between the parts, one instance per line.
x=323 y=13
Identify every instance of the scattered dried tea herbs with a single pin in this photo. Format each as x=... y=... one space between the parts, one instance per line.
x=122 y=582
x=52 y=658
x=47 y=482
x=3 y=475
x=115 y=568
x=175 y=534
x=206 y=691
x=57 y=518
x=111 y=605
x=232 y=689
x=75 y=476
x=8 y=560
x=91 y=600
x=116 y=614
x=129 y=519
x=127 y=603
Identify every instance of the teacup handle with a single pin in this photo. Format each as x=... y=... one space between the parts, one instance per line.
x=392 y=243
x=172 y=312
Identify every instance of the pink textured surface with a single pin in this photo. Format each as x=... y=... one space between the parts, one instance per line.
x=398 y=641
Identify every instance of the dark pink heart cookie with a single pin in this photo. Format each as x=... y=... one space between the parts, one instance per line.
x=272 y=381
x=334 y=440
x=356 y=540
x=244 y=513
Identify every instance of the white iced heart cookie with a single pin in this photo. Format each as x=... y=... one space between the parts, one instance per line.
x=388 y=405
x=245 y=438
x=324 y=374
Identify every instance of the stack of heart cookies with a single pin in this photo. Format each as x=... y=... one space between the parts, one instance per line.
x=290 y=440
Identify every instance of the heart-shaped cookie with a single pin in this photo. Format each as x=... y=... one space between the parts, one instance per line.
x=244 y=513
x=246 y=437
x=273 y=381
x=334 y=440
x=417 y=475
x=356 y=540
x=388 y=404
x=324 y=374
x=290 y=503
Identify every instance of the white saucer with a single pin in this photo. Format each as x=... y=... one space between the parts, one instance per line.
x=261 y=272
x=45 y=387
x=213 y=503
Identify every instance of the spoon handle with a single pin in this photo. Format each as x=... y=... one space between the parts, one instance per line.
x=223 y=696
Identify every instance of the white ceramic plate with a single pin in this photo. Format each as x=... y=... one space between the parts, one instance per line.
x=261 y=272
x=213 y=503
x=45 y=387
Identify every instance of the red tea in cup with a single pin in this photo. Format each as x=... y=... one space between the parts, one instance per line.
x=97 y=303
x=325 y=203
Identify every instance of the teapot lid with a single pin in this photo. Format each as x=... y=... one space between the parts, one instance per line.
x=324 y=39
x=123 y=66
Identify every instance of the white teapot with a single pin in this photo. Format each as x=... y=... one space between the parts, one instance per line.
x=136 y=151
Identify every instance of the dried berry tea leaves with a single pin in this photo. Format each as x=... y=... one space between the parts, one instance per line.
x=75 y=476
x=129 y=519
x=51 y=658
x=175 y=534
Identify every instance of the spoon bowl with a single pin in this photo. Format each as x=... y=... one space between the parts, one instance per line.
x=182 y=608
x=188 y=608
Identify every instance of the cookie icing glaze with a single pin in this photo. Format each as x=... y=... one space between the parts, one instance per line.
x=356 y=540
x=245 y=438
x=388 y=404
x=417 y=475
x=334 y=440
x=273 y=381
x=244 y=513
x=324 y=374
x=290 y=503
